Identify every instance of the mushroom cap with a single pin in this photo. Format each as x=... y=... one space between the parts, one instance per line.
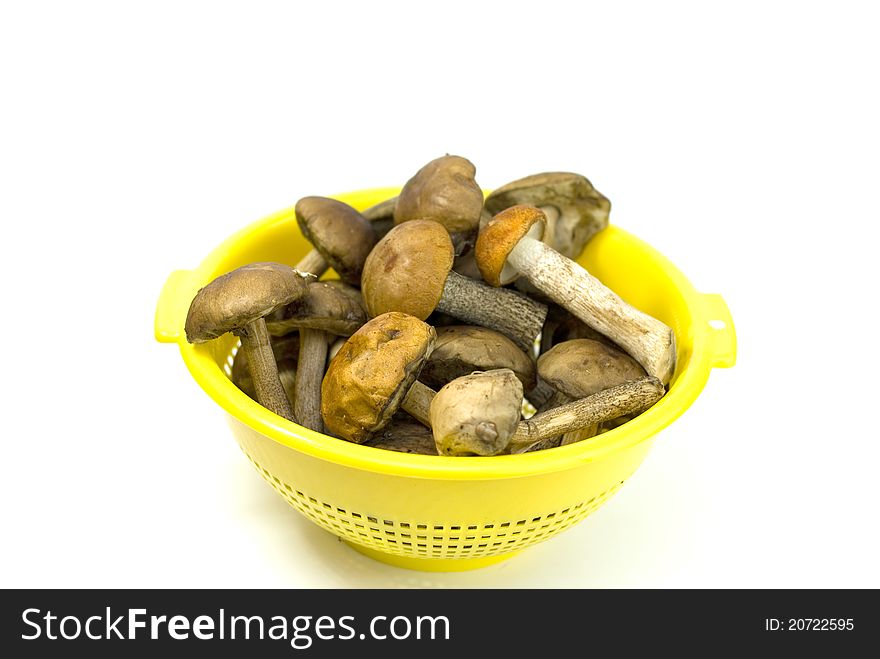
x=240 y=297
x=445 y=191
x=341 y=234
x=334 y=308
x=500 y=235
x=583 y=367
x=351 y=291
x=477 y=414
x=407 y=269
x=463 y=349
x=370 y=375
x=579 y=211
x=405 y=435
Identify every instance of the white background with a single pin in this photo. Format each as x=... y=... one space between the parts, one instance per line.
x=741 y=142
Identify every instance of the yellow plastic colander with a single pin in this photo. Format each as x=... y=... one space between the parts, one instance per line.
x=443 y=513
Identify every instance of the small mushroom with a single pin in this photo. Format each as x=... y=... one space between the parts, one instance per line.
x=445 y=191
x=375 y=373
x=325 y=310
x=341 y=237
x=286 y=351
x=405 y=435
x=463 y=349
x=409 y=270
x=582 y=367
x=237 y=302
x=332 y=306
x=477 y=414
x=575 y=210
x=509 y=245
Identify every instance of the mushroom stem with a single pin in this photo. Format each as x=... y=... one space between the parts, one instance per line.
x=557 y=398
x=264 y=370
x=417 y=402
x=514 y=315
x=313 y=348
x=648 y=340
x=550 y=398
x=314 y=263
x=627 y=398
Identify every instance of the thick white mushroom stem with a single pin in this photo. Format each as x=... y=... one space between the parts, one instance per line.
x=417 y=402
x=313 y=346
x=513 y=314
x=646 y=339
x=264 y=370
x=628 y=398
x=314 y=263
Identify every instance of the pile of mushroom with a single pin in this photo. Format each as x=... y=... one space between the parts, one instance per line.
x=457 y=326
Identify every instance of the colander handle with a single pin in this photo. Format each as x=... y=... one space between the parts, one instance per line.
x=721 y=332
x=174 y=301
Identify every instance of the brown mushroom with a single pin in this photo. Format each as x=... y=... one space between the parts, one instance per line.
x=286 y=351
x=509 y=245
x=574 y=209
x=326 y=309
x=341 y=237
x=445 y=191
x=405 y=435
x=477 y=414
x=463 y=349
x=332 y=306
x=237 y=302
x=409 y=270
x=375 y=373
x=582 y=367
